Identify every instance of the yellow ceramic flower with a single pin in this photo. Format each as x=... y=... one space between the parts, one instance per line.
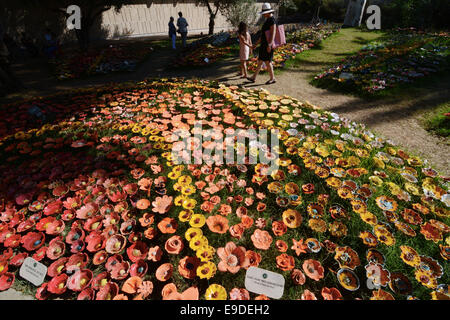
x=197 y=221
x=292 y=218
x=393 y=188
x=187 y=190
x=206 y=253
x=410 y=256
x=425 y=279
x=207 y=270
x=192 y=232
x=185 y=215
x=173 y=175
x=198 y=242
x=376 y=181
x=189 y=203
x=216 y=292
x=378 y=163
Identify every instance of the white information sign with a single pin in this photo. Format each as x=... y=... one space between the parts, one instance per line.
x=33 y=271
x=265 y=282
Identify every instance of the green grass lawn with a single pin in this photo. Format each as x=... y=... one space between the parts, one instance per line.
x=437 y=121
x=333 y=49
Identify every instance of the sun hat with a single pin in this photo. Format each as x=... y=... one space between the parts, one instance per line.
x=266 y=8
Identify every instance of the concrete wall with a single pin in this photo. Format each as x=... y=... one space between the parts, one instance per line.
x=151 y=18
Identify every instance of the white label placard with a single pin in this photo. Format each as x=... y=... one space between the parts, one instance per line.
x=265 y=282
x=33 y=271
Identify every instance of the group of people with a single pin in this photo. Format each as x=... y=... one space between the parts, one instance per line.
x=182 y=25
x=266 y=42
x=266 y=49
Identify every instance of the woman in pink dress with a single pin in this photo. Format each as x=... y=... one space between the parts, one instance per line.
x=245 y=48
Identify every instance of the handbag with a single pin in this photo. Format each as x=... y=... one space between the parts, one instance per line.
x=280 y=37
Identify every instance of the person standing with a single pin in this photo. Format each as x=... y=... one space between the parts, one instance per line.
x=267 y=40
x=182 y=28
x=173 y=33
x=245 y=48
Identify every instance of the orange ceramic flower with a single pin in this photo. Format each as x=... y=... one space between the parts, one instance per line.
x=232 y=257
x=164 y=272
x=331 y=294
x=381 y=295
x=131 y=285
x=261 y=239
x=254 y=258
x=217 y=224
x=299 y=247
x=155 y=254
x=147 y=220
x=308 y=295
x=281 y=245
x=313 y=269
x=247 y=221
x=298 y=277
x=168 y=225
x=285 y=262
x=279 y=228
x=162 y=204
x=143 y=204
x=174 y=245
x=187 y=267
x=347 y=257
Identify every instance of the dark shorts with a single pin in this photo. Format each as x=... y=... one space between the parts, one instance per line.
x=264 y=55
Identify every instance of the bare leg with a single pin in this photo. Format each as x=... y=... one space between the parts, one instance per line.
x=245 y=69
x=258 y=69
x=270 y=70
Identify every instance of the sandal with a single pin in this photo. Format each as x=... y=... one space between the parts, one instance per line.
x=271 y=81
x=251 y=80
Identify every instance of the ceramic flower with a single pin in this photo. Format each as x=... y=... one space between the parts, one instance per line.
x=313 y=269
x=261 y=239
x=232 y=257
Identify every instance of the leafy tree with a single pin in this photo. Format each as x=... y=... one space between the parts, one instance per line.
x=242 y=10
x=214 y=6
x=91 y=10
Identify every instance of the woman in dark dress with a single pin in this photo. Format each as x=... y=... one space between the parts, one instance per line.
x=266 y=48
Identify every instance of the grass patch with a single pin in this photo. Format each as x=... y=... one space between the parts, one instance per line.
x=438 y=120
x=333 y=49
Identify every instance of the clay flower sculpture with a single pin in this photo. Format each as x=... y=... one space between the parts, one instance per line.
x=162 y=204
x=232 y=258
x=299 y=247
x=155 y=254
x=313 y=269
x=33 y=240
x=164 y=272
x=115 y=244
x=285 y=262
x=292 y=218
x=6 y=281
x=217 y=224
x=308 y=295
x=108 y=291
x=86 y=294
x=137 y=251
x=56 y=248
x=79 y=280
x=139 y=268
x=174 y=245
x=187 y=267
x=378 y=275
x=279 y=228
x=99 y=257
x=331 y=294
x=188 y=294
x=239 y=294
x=381 y=295
x=298 y=277
x=347 y=257
x=120 y=270
x=261 y=239
x=58 y=284
x=216 y=292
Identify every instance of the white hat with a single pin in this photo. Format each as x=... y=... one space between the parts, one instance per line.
x=266 y=8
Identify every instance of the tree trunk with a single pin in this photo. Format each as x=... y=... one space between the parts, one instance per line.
x=211 y=24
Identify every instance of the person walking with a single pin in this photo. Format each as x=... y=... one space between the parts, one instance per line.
x=268 y=33
x=173 y=33
x=245 y=48
x=182 y=25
